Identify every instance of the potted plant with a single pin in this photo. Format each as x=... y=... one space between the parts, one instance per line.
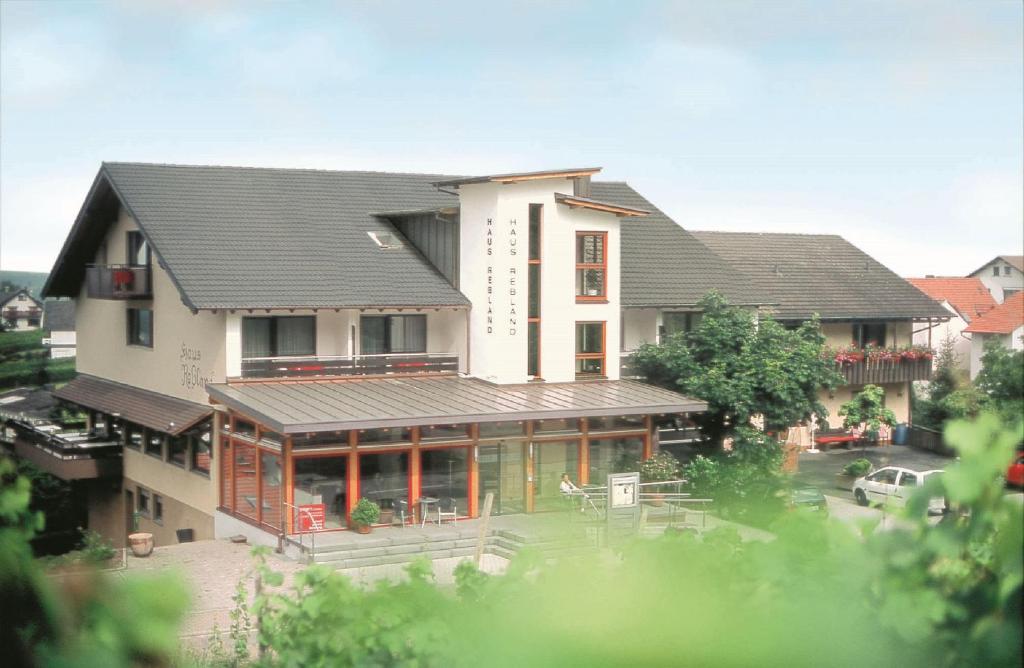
x=851 y=472
x=365 y=514
x=661 y=467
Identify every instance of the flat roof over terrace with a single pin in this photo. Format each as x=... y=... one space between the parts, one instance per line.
x=309 y=406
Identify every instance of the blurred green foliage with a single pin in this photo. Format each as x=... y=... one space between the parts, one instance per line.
x=80 y=617
x=818 y=594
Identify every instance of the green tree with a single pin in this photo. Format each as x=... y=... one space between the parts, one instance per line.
x=867 y=408
x=743 y=366
x=951 y=396
x=1001 y=379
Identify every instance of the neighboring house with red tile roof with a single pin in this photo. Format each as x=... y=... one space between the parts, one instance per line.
x=1003 y=276
x=965 y=299
x=1004 y=323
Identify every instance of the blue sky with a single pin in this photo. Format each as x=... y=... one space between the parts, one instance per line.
x=897 y=125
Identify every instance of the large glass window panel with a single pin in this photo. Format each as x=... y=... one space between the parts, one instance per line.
x=408 y=334
x=140 y=327
x=322 y=480
x=256 y=337
x=384 y=477
x=138 y=249
x=296 y=336
x=445 y=475
x=613 y=455
x=550 y=461
x=270 y=488
x=502 y=472
x=373 y=339
x=246 y=484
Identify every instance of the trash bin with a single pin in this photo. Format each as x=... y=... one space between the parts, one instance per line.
x=900 y=433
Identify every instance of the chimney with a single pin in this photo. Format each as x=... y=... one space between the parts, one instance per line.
x=581 y=186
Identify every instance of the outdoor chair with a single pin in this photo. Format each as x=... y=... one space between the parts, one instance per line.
x=402 y=513
x=446 y=508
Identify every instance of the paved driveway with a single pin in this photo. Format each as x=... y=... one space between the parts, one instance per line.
x=820 y=469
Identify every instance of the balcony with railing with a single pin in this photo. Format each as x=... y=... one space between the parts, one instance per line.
x=67 y=454
x=118 y=281
x=863 y=366
x=350 y=365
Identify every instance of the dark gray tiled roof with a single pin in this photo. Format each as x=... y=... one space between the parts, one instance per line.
x=235 y=237
x=326 y=405
x=821 y=273
x=59 y=315
x=664 y=265
x=238 y=237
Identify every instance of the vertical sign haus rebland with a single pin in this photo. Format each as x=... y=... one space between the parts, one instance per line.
x=502 y=279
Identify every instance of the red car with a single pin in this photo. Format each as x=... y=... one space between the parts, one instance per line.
x=1015 y=472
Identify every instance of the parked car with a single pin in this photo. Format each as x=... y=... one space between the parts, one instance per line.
x=893 y=485
x=807 y=496
x=1015 y=471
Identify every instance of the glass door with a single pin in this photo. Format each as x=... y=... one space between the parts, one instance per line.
x=550 y=461
x=502 y=471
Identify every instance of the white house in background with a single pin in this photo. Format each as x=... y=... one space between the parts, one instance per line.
x=1003 y=276
x=59 y=323
x=1004 y=323
x=20 y=310
x=966 y=299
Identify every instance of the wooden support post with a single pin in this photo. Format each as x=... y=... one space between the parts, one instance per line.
x=485 y=519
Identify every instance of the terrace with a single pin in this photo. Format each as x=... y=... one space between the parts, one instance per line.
x=67 y=454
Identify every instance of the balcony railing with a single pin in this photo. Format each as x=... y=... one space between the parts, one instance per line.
x=118 y=281
x=69 y=455
x=875 y=372
x=356 y=365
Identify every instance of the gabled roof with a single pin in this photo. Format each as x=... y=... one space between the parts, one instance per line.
x=968 y=296
x=824 y=274
x=1001 y=319
x=1015 y=261
x=663 y=265
x=237 y=237
x=59 y=315
x=7 y=296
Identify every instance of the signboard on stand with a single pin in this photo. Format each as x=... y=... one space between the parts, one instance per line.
x=312 y=517
x=623 y=505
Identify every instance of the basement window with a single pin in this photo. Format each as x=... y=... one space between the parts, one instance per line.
x=385 y=240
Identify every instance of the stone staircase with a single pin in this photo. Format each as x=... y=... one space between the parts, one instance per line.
x=401 y=547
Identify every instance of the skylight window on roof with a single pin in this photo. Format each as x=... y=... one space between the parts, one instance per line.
x=385 y=240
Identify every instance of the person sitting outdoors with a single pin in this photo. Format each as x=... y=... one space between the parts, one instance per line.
x=570 y=491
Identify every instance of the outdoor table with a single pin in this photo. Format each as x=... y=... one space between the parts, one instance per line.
x=425 y=502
